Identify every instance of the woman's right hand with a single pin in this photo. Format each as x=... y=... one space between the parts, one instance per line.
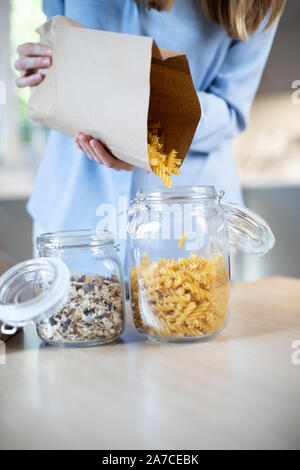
x=32 y=57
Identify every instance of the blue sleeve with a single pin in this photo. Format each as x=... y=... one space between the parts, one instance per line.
x=53 y=7
x=226 y=103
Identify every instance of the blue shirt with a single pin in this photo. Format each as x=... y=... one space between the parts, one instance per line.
x=226 y=73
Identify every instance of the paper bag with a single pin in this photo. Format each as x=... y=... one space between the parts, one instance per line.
x=109 y=85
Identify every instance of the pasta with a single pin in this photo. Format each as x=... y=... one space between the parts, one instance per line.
x=182 y=240
x=162 y=164
x=178 y=299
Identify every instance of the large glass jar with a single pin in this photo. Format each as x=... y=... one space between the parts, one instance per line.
x=74 y=293
x=179 y=242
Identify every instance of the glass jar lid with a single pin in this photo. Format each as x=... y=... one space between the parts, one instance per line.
x=248 y=232
x=32 y=290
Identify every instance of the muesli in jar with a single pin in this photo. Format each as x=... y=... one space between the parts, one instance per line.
x=93 y=312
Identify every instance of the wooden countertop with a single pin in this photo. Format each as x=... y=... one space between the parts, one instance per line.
x=240 y=390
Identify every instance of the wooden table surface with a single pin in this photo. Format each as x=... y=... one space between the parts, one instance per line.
x=240 y=390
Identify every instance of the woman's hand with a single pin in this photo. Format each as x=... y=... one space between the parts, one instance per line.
x=32 y=57
x=95 y=151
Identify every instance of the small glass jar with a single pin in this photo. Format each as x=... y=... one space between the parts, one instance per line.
x=74 y=292
x=179 y=241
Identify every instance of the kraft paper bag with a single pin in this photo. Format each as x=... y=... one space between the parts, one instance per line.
x=110 y=85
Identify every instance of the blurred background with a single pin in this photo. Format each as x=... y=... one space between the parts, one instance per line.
x=268 y=153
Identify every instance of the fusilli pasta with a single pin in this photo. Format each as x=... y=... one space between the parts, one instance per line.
x=162 y=164
x=182 y=240
x=183 y=298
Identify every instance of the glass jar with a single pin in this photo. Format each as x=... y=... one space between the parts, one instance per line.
x=74 y=292
x=179 y=241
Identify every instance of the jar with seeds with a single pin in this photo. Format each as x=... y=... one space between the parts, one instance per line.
x=94 y=312
x=73 y=293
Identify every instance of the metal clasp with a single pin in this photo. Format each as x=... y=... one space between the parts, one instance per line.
x=136 y=205
x=8 y=331
x=221 y=195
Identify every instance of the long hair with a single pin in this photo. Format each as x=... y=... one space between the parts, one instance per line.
x=239 y=18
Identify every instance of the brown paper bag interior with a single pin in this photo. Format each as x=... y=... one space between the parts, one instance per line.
x=173 y=100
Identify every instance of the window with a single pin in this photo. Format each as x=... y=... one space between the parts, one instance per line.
x=21 y=140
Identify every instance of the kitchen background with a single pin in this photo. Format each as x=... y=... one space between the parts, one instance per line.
x=268 y=153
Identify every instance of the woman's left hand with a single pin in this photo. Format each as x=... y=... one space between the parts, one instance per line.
x=95 y=151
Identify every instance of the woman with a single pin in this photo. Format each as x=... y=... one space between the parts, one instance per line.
x=227 y=43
